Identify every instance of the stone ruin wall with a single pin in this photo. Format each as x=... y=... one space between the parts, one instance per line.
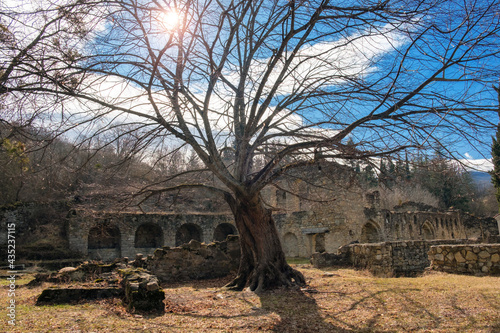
x=468 y=259
x=195 y=260
x=410 y=258
x=127 y=234
x=352 y=217
x=396 y=258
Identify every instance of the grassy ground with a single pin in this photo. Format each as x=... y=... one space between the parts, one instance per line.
x=340 y=300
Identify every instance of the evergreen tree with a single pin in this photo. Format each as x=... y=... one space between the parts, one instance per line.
x=369 y=177
x=446 y=181
x=388 y=174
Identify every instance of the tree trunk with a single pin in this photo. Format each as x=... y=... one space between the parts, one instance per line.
x=262 y=263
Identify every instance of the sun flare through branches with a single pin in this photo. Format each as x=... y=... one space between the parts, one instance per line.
x=171 y=19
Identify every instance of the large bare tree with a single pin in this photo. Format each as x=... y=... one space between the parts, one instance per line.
x=257 y=88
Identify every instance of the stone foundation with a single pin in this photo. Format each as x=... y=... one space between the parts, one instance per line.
x=481 y=259
x=141 y=290
x=74 y=295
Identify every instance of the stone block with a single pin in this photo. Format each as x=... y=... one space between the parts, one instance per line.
x=471 y=256
x=438 y=257
x=142 y=292
x=484 y=254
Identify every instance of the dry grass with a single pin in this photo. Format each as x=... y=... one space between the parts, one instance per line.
x=340 y=300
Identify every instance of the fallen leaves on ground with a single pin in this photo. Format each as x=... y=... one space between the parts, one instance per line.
x=336 y=300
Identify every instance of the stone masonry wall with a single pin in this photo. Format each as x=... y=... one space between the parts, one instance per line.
x=388 y=259
x=469 y=259
x=404 y=258
x=194 y=261
x=303 y=229
x=168 y=226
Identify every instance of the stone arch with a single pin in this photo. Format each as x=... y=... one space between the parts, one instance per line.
x=104 y=242
x=223 y=230
x=427 y=231
x=187 y=232
x=370 y=233
x=291 y=245
x=104 y=236
x=148 y=235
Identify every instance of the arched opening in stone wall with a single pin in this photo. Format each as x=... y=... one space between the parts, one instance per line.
x=398 y=229
x=439 y=228
x=370 y=233
x=104 y=242
x=223 y=230
x=427 y=231
x=186 y=233
x=291 y=245
x=104 y=236
x=148 y=235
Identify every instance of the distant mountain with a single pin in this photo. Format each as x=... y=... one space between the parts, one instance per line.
x=481 y=179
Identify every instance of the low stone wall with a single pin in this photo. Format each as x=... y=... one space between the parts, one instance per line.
x=195 y=260
x=391 y=258
x=142 y=291
x=480 y=259
x=387 y=259
x=325 y=259
x=74 y=295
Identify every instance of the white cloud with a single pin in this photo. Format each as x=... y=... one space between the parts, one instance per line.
x=328 y=63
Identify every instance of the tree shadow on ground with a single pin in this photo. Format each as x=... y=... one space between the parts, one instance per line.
x=298 y=312
x=200 y=284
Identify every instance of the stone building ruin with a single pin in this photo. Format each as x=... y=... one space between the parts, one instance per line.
x=350 y=215
x=111 y=235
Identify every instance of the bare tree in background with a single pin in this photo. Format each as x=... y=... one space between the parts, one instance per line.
x=281 y=84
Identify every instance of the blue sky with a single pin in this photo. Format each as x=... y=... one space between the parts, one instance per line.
x=391 y=57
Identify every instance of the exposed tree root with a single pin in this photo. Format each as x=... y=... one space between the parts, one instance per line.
x=238 y=283
x=262 y=264
x=267 y=277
